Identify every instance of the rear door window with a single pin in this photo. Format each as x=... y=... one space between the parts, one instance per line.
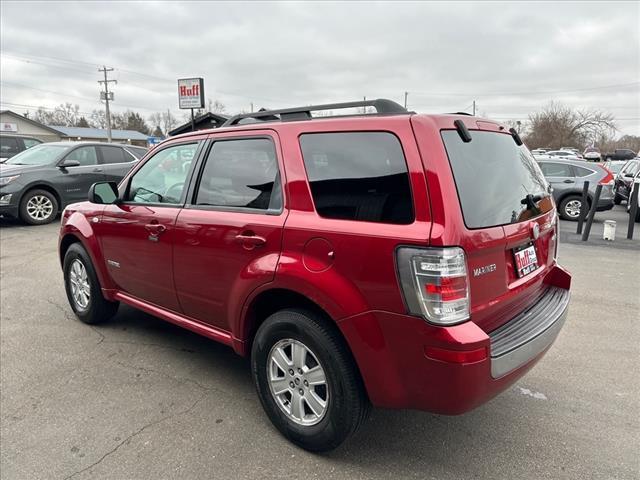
x=494 y=177
x=358 y=176
x=556 y=169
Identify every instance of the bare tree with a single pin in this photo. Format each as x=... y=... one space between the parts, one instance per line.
x=558 y=125
x=98 y=119
x=169 y=122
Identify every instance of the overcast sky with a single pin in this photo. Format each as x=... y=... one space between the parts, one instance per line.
x=512 y=58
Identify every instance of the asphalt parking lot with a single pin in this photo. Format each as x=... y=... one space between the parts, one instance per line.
x=139 y=398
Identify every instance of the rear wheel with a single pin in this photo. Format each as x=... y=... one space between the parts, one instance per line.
x=569 y=208
x=83 y=289
x=307 y=381
x=617 y=198
x=38 y=207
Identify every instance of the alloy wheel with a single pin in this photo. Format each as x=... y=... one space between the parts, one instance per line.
x=572 y=208
x=80 y=288
x=39 y=207
x=297 y=382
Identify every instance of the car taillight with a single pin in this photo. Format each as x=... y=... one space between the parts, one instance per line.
x=434 y=283
x=608 y=178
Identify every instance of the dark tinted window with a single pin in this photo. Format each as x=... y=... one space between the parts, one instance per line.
x=358 y=176
x=114 y=155
x=556 y=169
x=241 y=173
x=8 y=145
x=493 y=176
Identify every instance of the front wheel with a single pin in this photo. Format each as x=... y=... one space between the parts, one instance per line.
x=83 y=289
x=38 y=207
x=307 y=380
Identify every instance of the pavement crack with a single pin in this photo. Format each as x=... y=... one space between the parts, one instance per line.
x=128 y=439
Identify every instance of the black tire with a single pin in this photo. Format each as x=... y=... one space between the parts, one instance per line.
x=617 y=199
x=98 y=309
x=347 y=405
x=39 y=217
x=566 y=210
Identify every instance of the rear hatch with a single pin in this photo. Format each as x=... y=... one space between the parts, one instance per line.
x=510 y=221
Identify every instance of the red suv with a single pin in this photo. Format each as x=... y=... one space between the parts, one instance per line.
x=386 y=259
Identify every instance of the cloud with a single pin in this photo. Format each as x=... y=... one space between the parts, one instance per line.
x=282 y=54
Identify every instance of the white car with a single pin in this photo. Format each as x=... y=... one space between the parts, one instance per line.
x=538 y=151
x=592 y=153
x=563 y=154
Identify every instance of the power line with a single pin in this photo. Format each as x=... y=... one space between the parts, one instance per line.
x=527 y=93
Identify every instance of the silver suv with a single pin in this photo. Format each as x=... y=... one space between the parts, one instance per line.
x=567 y=178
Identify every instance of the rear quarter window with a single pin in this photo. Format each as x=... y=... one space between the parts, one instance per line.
x=360 y=176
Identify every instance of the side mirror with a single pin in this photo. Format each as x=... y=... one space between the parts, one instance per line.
x=104 y=193
x=69 y=163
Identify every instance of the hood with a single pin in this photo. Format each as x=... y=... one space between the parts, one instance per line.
x=7 y=170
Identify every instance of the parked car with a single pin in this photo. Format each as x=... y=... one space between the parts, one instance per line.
x=389 y=259
x=572 y=149
x=11 y=145
x=592 y=154
x=634 y=185
x=566 y=154
x=615 y=165
x=567 y=178
x=539 y=151
x=620 y=154
x=37 y=183
x=623 y=181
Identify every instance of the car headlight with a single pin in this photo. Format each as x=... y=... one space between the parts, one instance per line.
x=5 y=180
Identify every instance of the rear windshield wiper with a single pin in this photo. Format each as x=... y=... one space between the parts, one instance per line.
x=531 y=201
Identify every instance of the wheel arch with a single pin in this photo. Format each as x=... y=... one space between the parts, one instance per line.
x=43 y=186
x=78 y=230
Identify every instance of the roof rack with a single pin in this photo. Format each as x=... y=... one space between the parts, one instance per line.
x=382 y=106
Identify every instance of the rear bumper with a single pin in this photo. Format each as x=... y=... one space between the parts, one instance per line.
x=530 y=333
x=393 y=353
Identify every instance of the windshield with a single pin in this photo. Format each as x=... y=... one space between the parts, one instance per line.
x=38 y=155
x=498 y=182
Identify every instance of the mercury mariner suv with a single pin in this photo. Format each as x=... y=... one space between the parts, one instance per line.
x=382 y=259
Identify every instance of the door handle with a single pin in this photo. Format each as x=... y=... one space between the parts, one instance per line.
x=155 y=228
x=567 y=181
x=97 y=169
x=250 y=240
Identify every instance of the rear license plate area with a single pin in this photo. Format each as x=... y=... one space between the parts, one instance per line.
x=525 y=260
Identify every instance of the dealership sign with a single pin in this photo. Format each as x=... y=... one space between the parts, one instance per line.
x=9 y=127
x=191 y=93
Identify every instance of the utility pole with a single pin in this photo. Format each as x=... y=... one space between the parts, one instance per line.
x=107 y=96
x=406 y=94
x=251 y=107
x=474 y=108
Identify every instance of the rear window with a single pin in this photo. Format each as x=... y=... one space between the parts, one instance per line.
x=358 y=176
x=494 y=177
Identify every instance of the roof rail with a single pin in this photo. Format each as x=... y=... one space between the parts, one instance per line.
x=382 y=106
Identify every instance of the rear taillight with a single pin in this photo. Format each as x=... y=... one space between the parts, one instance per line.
x=434 y=283
x=608 y=178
